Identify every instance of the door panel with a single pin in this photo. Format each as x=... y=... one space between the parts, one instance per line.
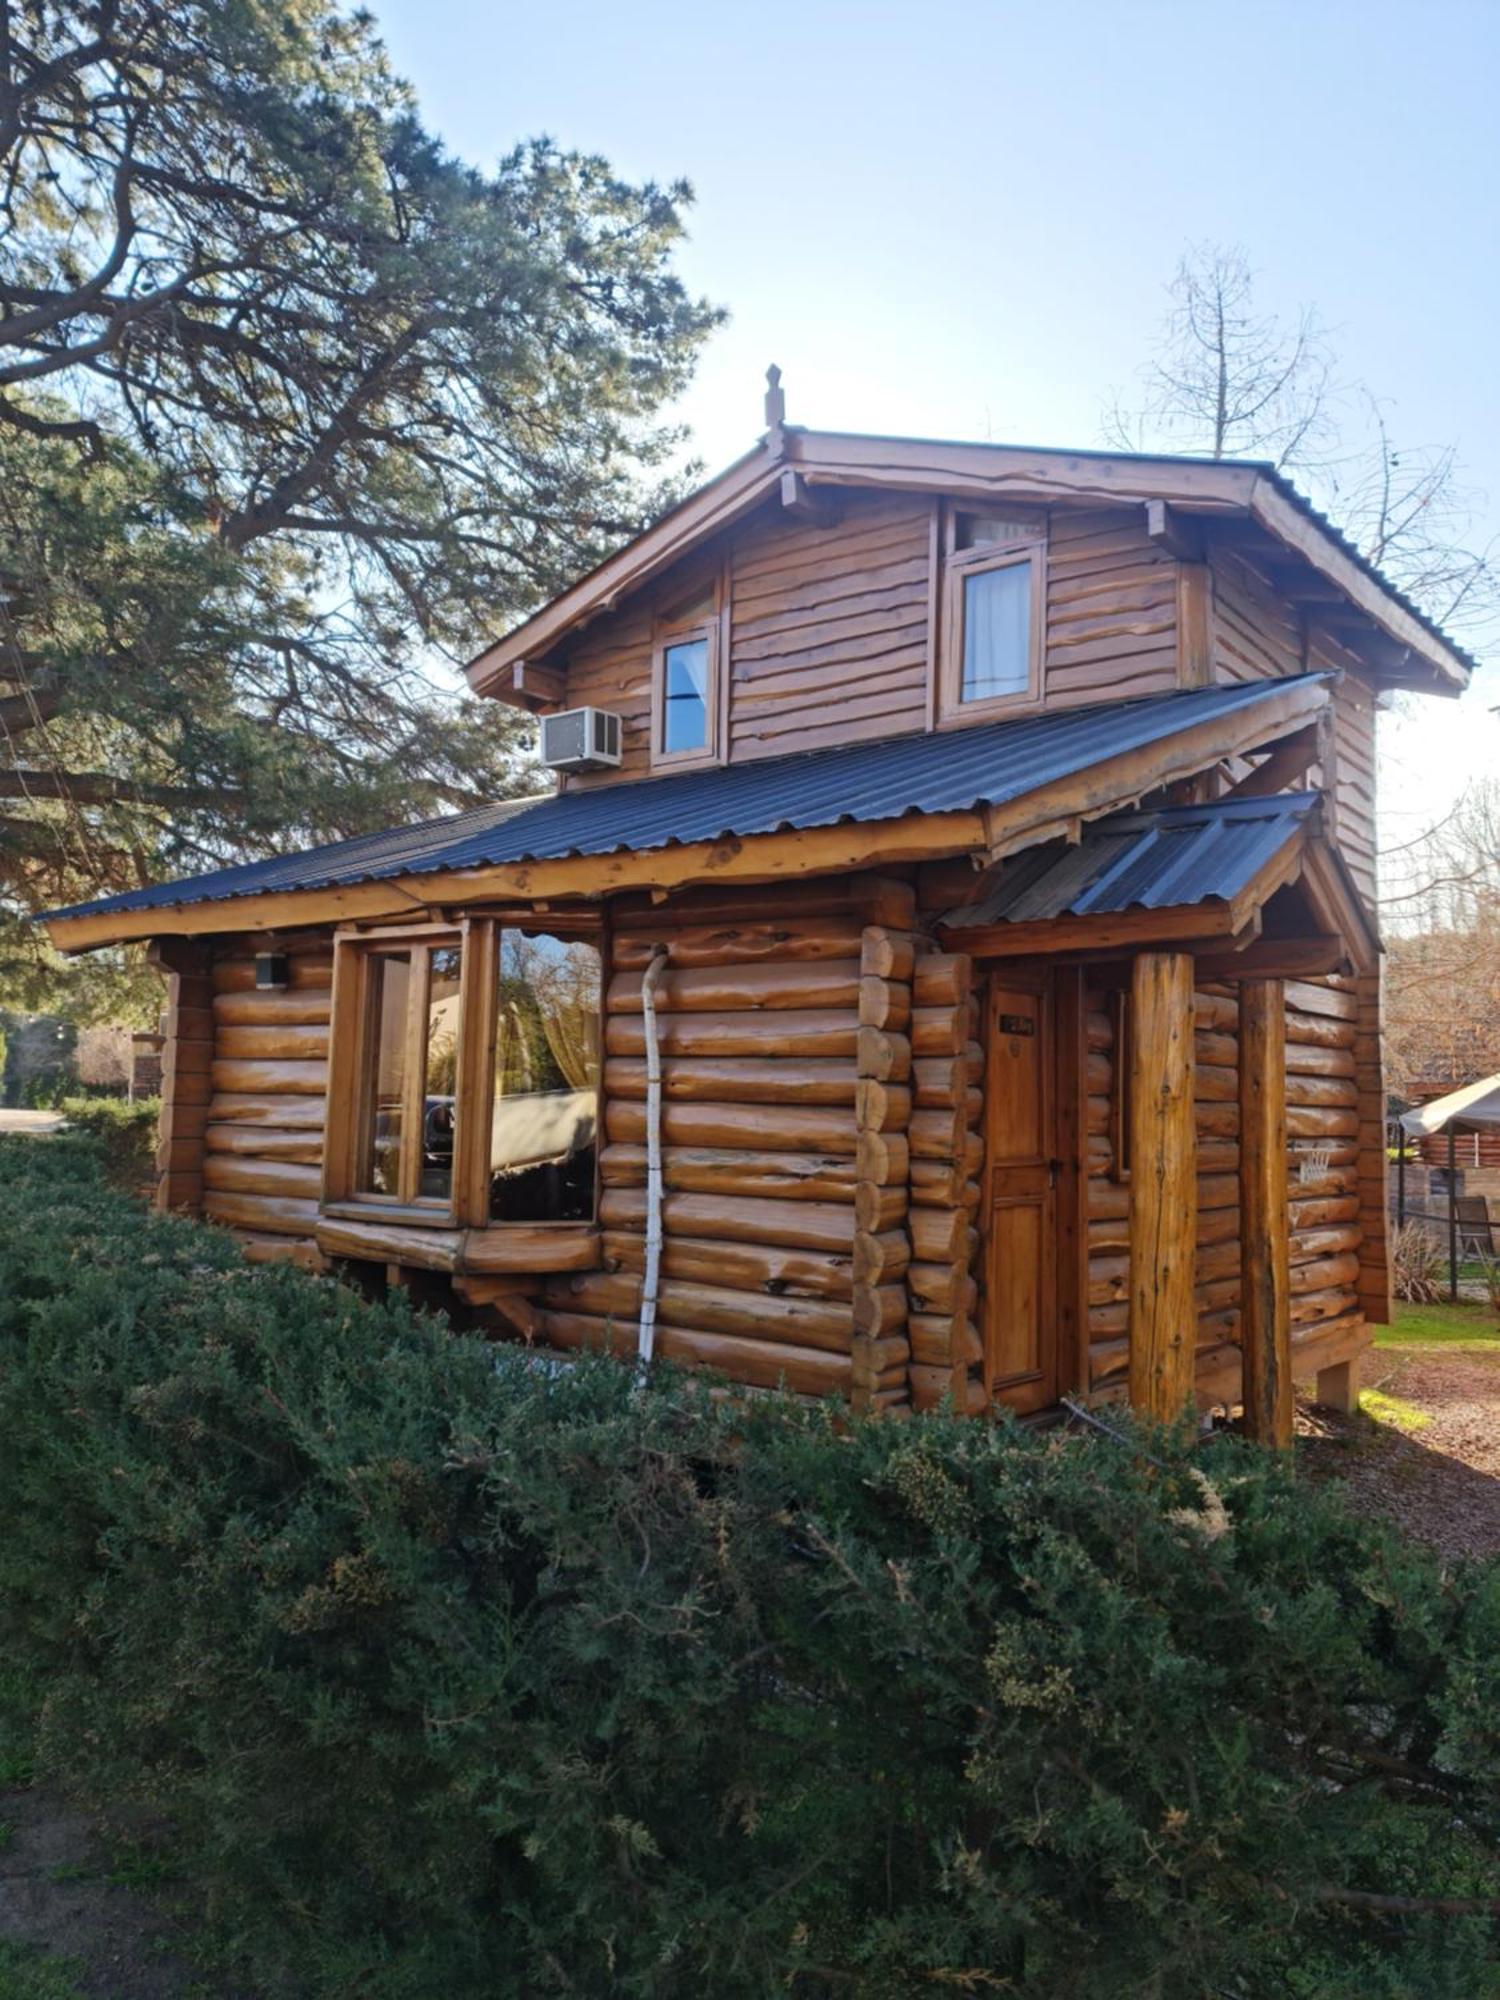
x=1021 y=1357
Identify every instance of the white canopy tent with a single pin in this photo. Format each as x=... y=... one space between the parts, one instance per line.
x=1472 y=1106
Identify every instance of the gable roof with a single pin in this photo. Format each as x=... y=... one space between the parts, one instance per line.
x=1124 y=747
x=1247 y=490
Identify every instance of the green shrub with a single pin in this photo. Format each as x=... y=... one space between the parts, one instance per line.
x=128 y=1126
x=459 y=1675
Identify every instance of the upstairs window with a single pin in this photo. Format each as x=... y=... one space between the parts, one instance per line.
x=685 y=696
x=992 y=614
x=464 y=1076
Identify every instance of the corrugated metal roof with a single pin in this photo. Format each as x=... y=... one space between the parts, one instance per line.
x=949 y=771
x=1142 y=861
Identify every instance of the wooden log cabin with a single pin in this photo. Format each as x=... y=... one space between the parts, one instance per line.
x=946 y=966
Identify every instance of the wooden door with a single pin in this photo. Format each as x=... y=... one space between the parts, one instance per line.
x=1020 y=1195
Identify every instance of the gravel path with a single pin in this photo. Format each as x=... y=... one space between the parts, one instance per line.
x=38 y=1123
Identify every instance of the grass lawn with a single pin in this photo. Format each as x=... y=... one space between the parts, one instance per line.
x=1466 y=1326
x=30 y=1975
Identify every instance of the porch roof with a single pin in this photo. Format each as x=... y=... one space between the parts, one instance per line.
x=1143 y=861
x=1115 y=751
x=1470 y=1107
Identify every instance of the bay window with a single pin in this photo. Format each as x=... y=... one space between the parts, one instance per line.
x=464 y=1076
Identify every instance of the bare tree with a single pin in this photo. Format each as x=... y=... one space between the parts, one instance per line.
x=1441 y=913
x=1228 y=380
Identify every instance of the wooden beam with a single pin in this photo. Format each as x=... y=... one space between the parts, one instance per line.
x=1265 y=1256
x=1179 y=536
x=1124 y=929
x=1278 y=958
x=1163 y=1185
x=800 y=503
x=1289 y=760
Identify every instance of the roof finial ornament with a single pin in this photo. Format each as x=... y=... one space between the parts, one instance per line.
x=775 y=399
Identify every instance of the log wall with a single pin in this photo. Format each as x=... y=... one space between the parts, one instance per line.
x=1337 y=1242
x=263 y=1138
x=785 y=1035
x=830 y=632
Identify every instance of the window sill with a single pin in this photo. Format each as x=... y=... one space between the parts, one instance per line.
x=347 y=1229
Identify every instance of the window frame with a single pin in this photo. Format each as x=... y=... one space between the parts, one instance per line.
x=667 y=633
x=349 y=1073
x=1028 y=545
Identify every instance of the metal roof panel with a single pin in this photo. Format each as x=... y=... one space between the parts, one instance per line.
x=951 y=770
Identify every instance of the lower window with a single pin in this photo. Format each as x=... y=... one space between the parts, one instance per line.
x=464 y=1082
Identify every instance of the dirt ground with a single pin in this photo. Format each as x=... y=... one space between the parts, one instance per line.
x=1426 y=1448
x=66 y=1896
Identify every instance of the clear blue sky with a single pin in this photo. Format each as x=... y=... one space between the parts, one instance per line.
x=959 y=222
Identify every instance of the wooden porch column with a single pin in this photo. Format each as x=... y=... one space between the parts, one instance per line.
x=1163 y=1184
x=1265 y=1252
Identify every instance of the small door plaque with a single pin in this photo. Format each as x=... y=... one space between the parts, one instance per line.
x=1017 y=1024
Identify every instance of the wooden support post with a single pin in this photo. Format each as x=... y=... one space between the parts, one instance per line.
x=187 y=1063
x=1265 y=1250
x=1338 y=1386
x=1163 y=1184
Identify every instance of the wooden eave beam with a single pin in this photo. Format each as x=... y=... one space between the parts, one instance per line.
x=986 y=833
x=1050 y=936
x=1116 y=781
x=1271 y=509
x=1288 y=761
x=526 y=685
x=1174 y=532
x=1277 y=958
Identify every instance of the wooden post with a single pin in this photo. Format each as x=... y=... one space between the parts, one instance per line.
x=1163 y=1184
x=1452 y=1218
x=187 y=1064
x=1265 y=1251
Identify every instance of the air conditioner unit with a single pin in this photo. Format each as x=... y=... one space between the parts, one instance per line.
x=580 y=739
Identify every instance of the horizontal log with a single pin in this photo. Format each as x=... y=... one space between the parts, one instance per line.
x=722 y=989
x=944 y=1340
x=276 y=1042
x=939 y=1031
x=939 y=1235
x=742 y=1266
x=799 y=1225
x=942 y=1288
x=729 y=1171
x=883 y=1158
x=736 y=1081
x=781 y=1128
x=882 y=1107
x=883 y=1056
x=880 y=1256
x=888 y=955
x=1216 y=1013
x=1216 y=1049
x=1320 y=1213
x=1321 y=1273
x=1308 y=1244
x=884 y=1004
x=389 y=1243
x=306 y=1006
x=1332 y=1303
x=257 y=1249
x=304 y=970
x=1338 y=1091
x=1215 y=1083
x=932 y=1387
x=237 y=1173
x=265 y=1142
x=790 y=940
x=762 y=1364
x=527 y=1247
x=877 y=1207
x=942 y=979
x=269 y=1215
x=236 y=1076
x=768 y=1036
x=714 y=1308
x=879 y=1309
x=941 y=1184
x=1310 y=1121
x=252 y=1109
x=1309 y=998
x=939 y=1135
x=1313 y=1059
